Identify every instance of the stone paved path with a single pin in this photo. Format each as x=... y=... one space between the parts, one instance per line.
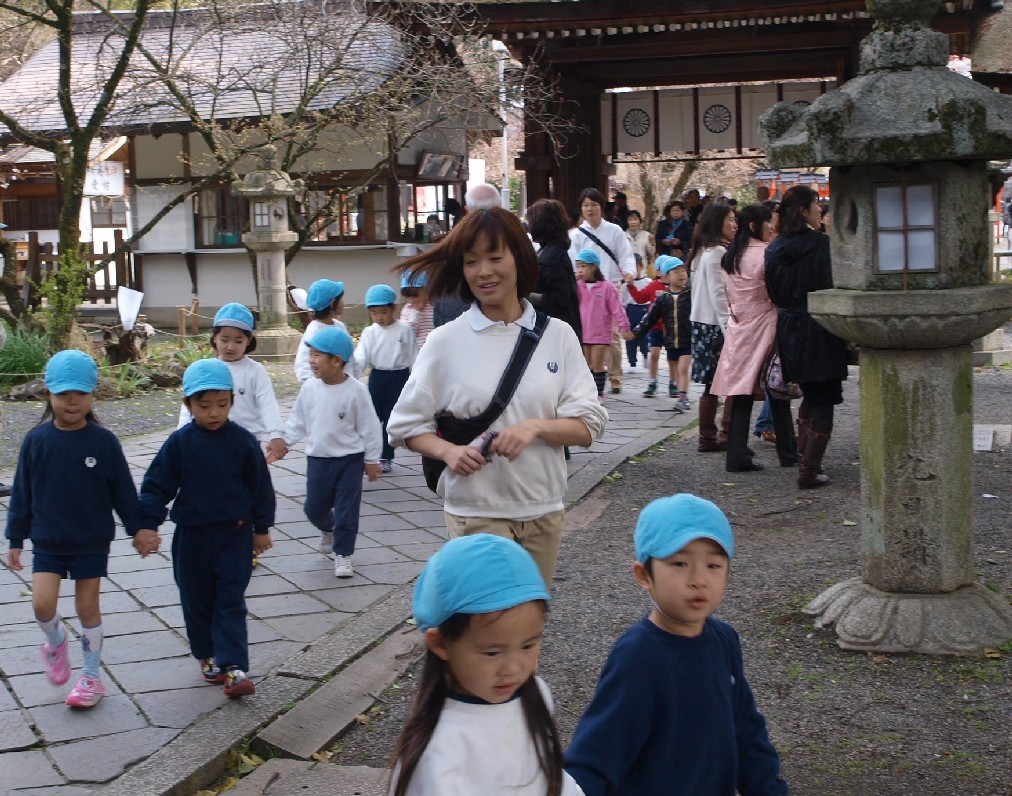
x=154 y=686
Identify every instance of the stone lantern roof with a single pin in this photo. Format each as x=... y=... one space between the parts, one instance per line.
x=905 y=105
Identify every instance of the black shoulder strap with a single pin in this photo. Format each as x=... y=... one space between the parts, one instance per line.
x=522 y=352
x=597 y=240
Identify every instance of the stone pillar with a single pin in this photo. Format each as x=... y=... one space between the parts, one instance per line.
x=917 y=463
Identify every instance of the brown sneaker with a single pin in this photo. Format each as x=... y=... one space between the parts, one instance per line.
x=769 y=436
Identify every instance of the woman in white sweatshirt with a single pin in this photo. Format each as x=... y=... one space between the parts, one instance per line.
x=511 y=480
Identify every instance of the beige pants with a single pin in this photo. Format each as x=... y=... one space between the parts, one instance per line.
x=615 y=359
x=540 y=537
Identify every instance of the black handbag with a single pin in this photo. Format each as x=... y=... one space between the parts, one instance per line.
x=461 y=430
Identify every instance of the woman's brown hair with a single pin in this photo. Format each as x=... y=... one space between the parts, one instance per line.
x=548 y=222
x=443 y=264
x=798 y=199
x=709 y=231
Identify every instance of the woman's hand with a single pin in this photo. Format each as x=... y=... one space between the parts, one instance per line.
x=464 y=459
x=512 y=440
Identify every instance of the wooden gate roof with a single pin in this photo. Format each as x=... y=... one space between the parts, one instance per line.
x=642 y=43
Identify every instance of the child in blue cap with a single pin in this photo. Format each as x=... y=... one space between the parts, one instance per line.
x=672 y=307
x=673 y=714
x=387 y=346
x=325 y=300
x=334 y=413
x=71 y=475
x=601 y=311
x=416 y=311
x=481 y=721
x=223 y=511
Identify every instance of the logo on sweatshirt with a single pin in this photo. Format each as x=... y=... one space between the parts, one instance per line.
x=341 y=415
x=90 y=461
x=553 y=367
x=242 y=390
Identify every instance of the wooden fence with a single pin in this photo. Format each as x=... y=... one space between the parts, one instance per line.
x=101 y=288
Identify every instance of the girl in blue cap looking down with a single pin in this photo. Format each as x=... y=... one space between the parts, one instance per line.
x=481 y=722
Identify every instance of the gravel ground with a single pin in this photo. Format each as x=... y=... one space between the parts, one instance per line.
x=844 y=722
x=143 y=414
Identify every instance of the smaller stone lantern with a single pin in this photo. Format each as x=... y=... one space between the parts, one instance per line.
x=908 y=142
x=267 y=189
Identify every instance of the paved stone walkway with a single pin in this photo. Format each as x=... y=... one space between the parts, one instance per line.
x=154 y=687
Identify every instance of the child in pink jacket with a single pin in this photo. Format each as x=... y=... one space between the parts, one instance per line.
x=601 y=311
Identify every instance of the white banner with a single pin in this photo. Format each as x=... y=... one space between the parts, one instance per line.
x=724 y=118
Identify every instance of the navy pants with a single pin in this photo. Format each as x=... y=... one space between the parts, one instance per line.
x=212 y=565
x=333 y=496
x=635 y=312
x=385 y=388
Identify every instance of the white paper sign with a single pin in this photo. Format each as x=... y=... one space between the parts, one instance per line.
x=104 y=179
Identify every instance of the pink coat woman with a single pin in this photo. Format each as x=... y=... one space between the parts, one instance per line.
x=751 y=327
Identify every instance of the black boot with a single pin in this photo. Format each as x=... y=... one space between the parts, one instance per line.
x=787 y=445
x=738 y=459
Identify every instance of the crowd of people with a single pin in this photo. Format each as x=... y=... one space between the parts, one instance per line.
x=492 y=396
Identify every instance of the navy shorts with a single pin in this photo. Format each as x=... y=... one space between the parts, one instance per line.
x=77 y=567
x=675 y=353
x=655 y=338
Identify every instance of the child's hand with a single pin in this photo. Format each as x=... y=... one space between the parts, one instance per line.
x=14 y=559
x=262 y=543
x=627 y=278
x=373 y=472
x=628 y=336
x=276 y=450
x=146 y=542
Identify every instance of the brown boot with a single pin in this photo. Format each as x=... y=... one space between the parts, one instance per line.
x=708 y=425
x=817 y=431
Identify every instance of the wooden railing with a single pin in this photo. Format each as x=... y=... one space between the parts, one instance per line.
x=101 y=288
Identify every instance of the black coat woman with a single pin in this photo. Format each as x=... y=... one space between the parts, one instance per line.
x=798 y=263
x=555 y=294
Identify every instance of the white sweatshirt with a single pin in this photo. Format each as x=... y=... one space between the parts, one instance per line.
x=302 y=370
x=385 y=347
x=482 y=749
x=255 y=407
x=458 y=370
x=336 y=419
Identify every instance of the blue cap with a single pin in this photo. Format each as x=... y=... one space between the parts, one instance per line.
x=379 y=295
x=475 y=574
x=670 y=263
x=588 y=256
x=322 y=293
x=206 y=374
x=409 y=279
x=71 y=370
x=334 y=341
x=236 y=315
x=668 y=524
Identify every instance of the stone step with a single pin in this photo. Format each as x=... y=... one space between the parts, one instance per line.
x=301 y=778
x=324 y=715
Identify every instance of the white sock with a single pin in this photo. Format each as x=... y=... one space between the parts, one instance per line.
x=55 y=634
x=91 y=643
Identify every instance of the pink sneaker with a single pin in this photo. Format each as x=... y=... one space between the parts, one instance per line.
x=56 y=662
x=86 y=693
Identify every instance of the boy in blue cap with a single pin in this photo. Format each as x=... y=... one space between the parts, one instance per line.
x=673 y=713
x=224 y=507
x=325 y=299
x=387 y=346
x=334 y=413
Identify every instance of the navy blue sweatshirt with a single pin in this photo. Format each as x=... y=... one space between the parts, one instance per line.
x=67 y=485
x=216 y=477
x=674 y=716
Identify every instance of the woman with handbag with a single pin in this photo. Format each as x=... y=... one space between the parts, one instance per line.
x=798 y=263
x=508 y=478
x=749 y=341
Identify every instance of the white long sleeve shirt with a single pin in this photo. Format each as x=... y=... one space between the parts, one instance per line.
x=486 y=749
x=302 y=369
x=255 y=406
x=612 y=236
x=336 y=420
x=386 y=347
x=458 y=370
x=709 y=294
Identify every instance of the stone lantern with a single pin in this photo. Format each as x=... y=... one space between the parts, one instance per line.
x=908 y=142
x=267 y=189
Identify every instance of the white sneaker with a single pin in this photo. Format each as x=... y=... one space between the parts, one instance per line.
x=343 y=567
x=327 y=542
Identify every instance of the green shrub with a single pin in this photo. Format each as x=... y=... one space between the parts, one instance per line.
x=192 y=351
x=24 y=357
